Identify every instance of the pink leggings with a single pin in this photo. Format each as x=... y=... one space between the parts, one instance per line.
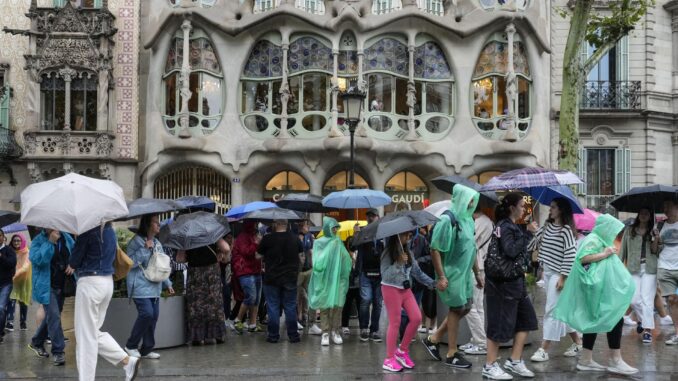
x=395 y=299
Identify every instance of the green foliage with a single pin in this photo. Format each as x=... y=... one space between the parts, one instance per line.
x=624 y=15
x=124 y=236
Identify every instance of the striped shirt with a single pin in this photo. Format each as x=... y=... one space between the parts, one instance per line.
x=557 y=247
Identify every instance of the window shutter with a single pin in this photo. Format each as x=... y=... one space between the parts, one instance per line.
x=623 y=59
x=627 y=169
x=59 y=3
x=4 y=108
x=622 y=166
x=97 y=3
x=581 y=170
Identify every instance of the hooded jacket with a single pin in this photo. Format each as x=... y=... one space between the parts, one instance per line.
x=41 y=254
x=243 y=256
x=331 y=269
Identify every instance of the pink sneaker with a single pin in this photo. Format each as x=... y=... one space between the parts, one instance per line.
x=391 y=364
x=404 y=359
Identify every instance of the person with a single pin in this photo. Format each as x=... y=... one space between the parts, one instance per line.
x=281 y=251
x=22 y=288
x=247 y=269
x=49 y=256
x=92 y=261
x=352 y=294
x=329 y=280
x=666 y=244
x=641 y=261
x=7 y=271
x=145 y=293
x=225 y=276
x=556 y=244
x=509 y=299
x=476 y=317
x=368 y=264
x=453 y=251
x=306 y=239
x=397 y=265
x=419 y=247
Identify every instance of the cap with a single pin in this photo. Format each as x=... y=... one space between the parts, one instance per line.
x=373 y=212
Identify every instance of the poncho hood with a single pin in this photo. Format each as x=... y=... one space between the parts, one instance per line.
x=607 y=228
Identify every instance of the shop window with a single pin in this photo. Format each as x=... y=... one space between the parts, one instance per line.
x=340 y=181
x=288 y=181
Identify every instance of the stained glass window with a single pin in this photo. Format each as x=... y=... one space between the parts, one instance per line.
x=307 y=53
x=430 y=62
x=387 y=54
x=264 y=61
x=494 y=59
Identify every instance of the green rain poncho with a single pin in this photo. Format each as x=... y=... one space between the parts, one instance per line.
x=457 y=246
x=595 y=299
x=331 y=269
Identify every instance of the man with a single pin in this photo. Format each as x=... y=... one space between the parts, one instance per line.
x=369 y=267
x=7 y=270
x=92 y=262
x=306 y=239
x=49 y=255
x=246 y=268
x=281 y=251
x=666 y=240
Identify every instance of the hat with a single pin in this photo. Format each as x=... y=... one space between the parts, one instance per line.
x=373 y=212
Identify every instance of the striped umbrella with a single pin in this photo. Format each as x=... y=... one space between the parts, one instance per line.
x=529 y=178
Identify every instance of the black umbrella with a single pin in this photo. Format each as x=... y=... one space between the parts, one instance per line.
x=141 y=206
x=651 y=197
x=197 y=203
x=303 y=202
x=394 y=224
x=446 y=183
x=193 y=230
x=7 y=217
x=273 y=214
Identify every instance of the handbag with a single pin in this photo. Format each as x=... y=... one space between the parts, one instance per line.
x=158 y=268
x=121 y=265
x=497 y=266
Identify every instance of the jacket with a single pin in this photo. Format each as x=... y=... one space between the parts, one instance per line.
x=395 y=274
x=243 y=256
x=94 y=252
x=630 y=252
x=40 y=255
x=7 y=265
x=137 y=284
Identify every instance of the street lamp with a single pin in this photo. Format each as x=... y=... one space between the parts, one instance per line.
x=353 y=100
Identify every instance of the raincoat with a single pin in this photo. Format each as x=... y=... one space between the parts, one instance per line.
x=24 y=273
x=596 y=295
x=331 y=269
x=457 y=246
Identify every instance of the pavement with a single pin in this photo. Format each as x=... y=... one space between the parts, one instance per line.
x=249 y=357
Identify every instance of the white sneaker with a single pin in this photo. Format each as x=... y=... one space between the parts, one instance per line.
x=573 y=351
x=591 y=366
x=672 y=341
x=540 y=356
x=132 y=368
x=315 y=330
x=465 y=347
x=229 y=324
x=422 y=329
x=345 y=331
x=152 y=356
x=336 y=338
x=300 y=327
x=540 y=283
x=132 y=352
x=476 y=350
x=629 y=321
x=666 y=320
x=518 y=368
x=620 y=367
x=495 y=372
x=325 y=341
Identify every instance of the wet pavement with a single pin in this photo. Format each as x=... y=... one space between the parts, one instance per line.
x=249 y=357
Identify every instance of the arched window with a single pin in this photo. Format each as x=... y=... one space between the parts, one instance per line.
x=434 y=86
x=406 y=182
x=407 y=190
x=194 y=181
x=490 y=80
x=510 y=5
x=205 y=106
x=287 y=181
x=340 y=182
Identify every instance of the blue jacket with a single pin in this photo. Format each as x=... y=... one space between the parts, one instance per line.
x=137 y=284
x=94 y=252
x=40 y=255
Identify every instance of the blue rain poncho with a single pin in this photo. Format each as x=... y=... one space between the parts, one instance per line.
x=331 y=268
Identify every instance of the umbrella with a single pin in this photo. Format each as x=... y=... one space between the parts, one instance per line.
x=544 y=195
x=7 y=217
x=651 y=197
x=530 y=177
x=241 y=210
x=394 y=224
x=193 y=230
x=72 y=203
x=273 y=214
x=141 y=206
x=447 y=183
x=356 y=198
x=587 y=220
x=439 y=207
x=197 y=203
x=15 y=227
x=303 y=202
x=346 y=229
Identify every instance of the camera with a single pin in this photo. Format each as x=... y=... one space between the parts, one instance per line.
x=406 y=284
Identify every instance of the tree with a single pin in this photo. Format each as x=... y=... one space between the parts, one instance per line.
x=603 y=33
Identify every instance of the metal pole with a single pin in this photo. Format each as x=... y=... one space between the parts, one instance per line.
x=351 y=179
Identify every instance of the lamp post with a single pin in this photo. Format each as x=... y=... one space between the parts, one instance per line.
x=353 y=100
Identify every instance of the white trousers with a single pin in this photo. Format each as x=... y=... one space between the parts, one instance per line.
x=643 y=299
x=553 y=329
x=476 y=317
x=91 y=302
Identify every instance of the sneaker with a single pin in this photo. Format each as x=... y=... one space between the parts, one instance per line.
x=466 y=346
x=540 y=283
x=132 y=368
x=432 y=348
x=476 y=350
x=458 y=361
x=152 y=356
x=629 y=321
x=666 y=320
x=495 y=372
x=591 y=366
x=672 y=341
x=336 y=338
x=620 y=367
x=23 y=327
x=540 y=356
x=364 y=335
x=239 y=327
x=255 y=328
x=647 y=337
x=315 y=330
x=296 y=339
x=133 y=352
x=39 y=351
x=229 y=324
x=404 y=359
x=325 y=340
x=59 y=359
x=639 y=328
x=300 y=327
x=9 y=326
x=392 y=365
x=422 y=330
x=518 y=368
x=573 y=351
x=375 y=337
x=345 y=331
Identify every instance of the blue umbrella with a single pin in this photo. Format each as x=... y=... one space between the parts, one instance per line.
x=544 y=195
x=241 y=210
x=356 y=198
x=15 y=227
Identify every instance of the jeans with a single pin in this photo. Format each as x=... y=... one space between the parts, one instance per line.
x=4 y=302
x=251 y=287
x=281 y=297
x=226 y=296
x=352 y=296
x=51 y=324
x=23 y=311
x=370 y=293
x=148 y=310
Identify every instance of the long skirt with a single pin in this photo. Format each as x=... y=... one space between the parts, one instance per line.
x=204 y=304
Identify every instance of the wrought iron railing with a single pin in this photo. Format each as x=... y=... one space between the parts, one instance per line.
x=611 y=95
x=600 y=203
x=315 y=7
x=434 y=7
x=380 y=7
x=261 y=6
x=9 y=148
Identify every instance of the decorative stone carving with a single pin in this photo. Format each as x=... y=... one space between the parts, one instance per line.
x=105 y=171
x=68 y=167
x=56 y=144
x=34 y=172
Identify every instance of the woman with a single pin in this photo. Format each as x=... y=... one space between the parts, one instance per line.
x=557 y=248
x=596 y=295
x=352 y=294
x=247 y=271
x=397 y=264
x=509 y=299
x=22 y=289
x=329 y=280
x=641 y=261
x=146 y=294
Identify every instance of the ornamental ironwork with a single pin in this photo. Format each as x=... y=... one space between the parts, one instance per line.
x=611 y=95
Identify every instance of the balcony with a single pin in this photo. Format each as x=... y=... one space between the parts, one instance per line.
x=381 y=7
x=611 y=95
x=41 y=144
x=433 y=7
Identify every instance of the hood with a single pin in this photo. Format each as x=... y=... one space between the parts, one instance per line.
x=328 y=224
x=24 y=244
x=607 y=228
x=461 y=197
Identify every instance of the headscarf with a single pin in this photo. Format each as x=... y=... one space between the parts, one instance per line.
x=22 y=287
x=331 y=269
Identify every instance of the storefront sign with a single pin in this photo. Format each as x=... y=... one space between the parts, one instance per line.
x=408 y=198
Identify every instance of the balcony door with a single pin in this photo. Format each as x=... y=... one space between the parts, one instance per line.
x=607 y=84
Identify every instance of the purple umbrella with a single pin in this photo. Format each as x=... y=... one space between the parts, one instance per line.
x=530 y=177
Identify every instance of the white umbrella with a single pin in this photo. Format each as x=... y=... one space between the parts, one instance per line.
x=72 y=203
x=438 y=208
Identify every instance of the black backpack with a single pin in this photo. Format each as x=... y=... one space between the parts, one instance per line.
x=497 y=266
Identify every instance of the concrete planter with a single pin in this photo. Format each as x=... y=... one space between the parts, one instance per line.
x=169 y=331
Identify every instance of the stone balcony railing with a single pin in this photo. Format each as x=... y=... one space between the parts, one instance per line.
x=40 y=144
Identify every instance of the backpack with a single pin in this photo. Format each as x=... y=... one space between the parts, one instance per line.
x=158 y=268
x=497 y=266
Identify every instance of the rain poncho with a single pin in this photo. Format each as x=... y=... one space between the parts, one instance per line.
x=457 y=246
x=595 y=299
x=331 y=269
x=22 y=278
